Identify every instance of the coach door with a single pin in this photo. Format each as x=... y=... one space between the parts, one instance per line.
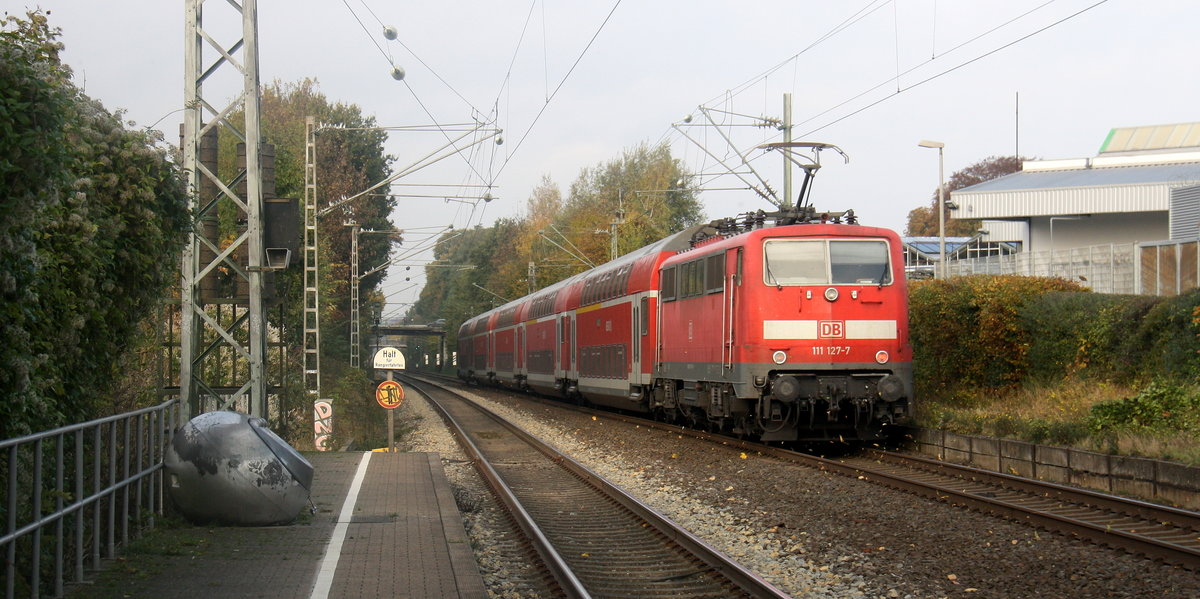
x=564 y=344
x=639 y=327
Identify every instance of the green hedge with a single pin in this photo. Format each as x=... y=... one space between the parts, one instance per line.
x=92 y=216
x=966 y=332
x=981 y=333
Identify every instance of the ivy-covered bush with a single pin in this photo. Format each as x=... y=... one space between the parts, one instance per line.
x=1163 y=406
x=1122 y=338
x=967 y=334
x=92 y=217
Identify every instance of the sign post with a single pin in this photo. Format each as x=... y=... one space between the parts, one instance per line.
x=390 y=396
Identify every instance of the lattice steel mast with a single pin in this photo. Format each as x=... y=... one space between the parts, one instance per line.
x=202 y=258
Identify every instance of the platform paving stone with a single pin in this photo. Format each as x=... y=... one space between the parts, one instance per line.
x=395 y=546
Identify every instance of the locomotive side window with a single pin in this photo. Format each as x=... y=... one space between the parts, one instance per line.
x=693 y=278
x=668 y=284
x=859 y=263
x=794 y=263
x=715 y=265
x=831 y=262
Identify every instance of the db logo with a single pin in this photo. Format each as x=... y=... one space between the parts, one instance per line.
x=832 y=329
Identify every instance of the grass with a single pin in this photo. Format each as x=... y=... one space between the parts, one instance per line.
x=1059 y=413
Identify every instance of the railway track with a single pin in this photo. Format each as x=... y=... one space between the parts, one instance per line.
x=594 y=539
x=1154 y=531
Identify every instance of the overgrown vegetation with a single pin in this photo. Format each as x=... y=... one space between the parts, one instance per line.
x=91 y=217
x=1042 y=360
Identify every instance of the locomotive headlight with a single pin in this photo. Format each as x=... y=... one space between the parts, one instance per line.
x=831 y=294
x=882 y=357
x=779 y=357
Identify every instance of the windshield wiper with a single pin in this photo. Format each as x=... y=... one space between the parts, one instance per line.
x=767 y=264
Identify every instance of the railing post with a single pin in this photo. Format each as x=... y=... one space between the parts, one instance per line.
x=125 y=487
x=137 y=467
x=112 y=494
x=59 y=491
x=11 y=572
x=35 y=579
x=79 y=515
x=97 y=481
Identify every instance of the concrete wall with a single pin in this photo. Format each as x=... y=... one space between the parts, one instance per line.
x=1165 y=482
x=1095 y=229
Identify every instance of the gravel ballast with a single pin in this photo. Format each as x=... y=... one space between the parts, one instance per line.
x=811 y=533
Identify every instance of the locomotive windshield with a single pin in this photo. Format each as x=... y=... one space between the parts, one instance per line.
x=790 y=262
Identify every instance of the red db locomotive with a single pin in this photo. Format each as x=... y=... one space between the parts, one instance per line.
x=781 y=326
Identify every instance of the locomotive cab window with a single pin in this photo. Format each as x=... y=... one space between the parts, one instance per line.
x=859 y=263
x=826 y=262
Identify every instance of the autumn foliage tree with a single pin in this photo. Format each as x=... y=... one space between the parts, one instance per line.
x=558 y=237
x=923 y=220
x=350 y=158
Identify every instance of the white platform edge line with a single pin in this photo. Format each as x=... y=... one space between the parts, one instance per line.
x=333 y=551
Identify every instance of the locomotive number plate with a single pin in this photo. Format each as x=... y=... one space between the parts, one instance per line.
x=831 y=350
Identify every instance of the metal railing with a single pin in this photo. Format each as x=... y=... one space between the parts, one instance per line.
x=102 y=478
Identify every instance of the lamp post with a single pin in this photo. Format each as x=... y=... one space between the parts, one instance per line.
x=941 y=268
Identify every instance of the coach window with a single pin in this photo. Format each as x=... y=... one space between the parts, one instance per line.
x=715 y=265
x=645 y=316
x=859 y=263
x=667 y=283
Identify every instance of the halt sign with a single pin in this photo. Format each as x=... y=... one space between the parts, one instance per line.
x=389 y=358
x=389 y=394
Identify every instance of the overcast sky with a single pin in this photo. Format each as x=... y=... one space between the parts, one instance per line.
x=871 y=77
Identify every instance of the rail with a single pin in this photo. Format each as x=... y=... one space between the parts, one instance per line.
x=715 y=566
x=1154 y=531
x=102 y=477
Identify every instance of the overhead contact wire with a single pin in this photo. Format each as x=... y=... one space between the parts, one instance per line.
x=560 y=85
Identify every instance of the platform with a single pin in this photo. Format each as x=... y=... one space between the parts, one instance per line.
x=401 y=538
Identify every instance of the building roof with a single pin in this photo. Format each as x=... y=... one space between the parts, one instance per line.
x=930 y=245
x=1152 y=138
x=1153 y=174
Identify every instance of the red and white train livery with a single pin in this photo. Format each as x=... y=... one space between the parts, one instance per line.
x=787 y=332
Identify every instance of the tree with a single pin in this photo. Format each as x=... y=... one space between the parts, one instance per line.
x=92 y=219
x=648 y=184
x=350 y=158
x=923 y=221
x=651 y=188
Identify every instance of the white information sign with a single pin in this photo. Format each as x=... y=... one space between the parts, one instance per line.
x=389 y=358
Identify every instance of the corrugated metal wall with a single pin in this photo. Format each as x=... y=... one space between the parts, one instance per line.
x=1075 y=200
x=1185 y=212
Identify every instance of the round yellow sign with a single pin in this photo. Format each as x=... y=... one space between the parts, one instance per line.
x=389 y=394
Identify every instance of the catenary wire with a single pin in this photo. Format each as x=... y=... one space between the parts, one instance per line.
x=542 y=111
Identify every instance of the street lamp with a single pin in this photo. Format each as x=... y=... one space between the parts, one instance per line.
x=941 y=269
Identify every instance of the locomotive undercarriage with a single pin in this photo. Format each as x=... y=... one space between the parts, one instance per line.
x=789 y=405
